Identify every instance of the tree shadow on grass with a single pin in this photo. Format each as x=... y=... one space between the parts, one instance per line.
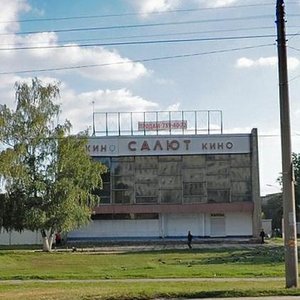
x=251 y=257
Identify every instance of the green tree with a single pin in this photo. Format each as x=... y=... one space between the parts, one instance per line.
x=273 y=209
x=49 y=178
x=296 y=165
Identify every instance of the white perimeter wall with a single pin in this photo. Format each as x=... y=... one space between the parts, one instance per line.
x=23 y=238
x=267 y=226
x=118 y=228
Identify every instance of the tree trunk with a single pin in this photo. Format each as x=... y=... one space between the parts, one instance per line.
x=47 y=240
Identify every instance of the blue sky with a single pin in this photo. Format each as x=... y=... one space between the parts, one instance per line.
x=242 y=83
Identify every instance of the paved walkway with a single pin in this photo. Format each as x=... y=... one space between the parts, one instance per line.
x=168 y=245
x=258 y=279
x=249 y=298
x=14 y=282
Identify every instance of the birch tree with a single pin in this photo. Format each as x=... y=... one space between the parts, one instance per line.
x=48 y=176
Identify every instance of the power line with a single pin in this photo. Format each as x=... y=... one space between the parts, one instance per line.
x=296 y=49
x=136 y=14
x=298 y=76
x=149 y=35
x=256 y=17
x=275 y=135
x=143 y=42
x=156 y=35
x=136 y=61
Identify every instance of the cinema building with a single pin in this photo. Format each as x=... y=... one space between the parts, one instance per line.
x=168 y=174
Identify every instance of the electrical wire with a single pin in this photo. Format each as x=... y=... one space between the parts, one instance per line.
x=147 y=35
x=293 y=48
x=256 y=17
x=143 y=42
x=141 y=14
x=137 y=61
x=298 y=76
x=61 y=42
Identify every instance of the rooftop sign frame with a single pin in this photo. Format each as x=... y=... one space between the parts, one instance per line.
x=157 y=123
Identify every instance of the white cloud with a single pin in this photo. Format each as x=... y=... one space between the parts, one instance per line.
x=146 y=7
x=42 y=39
x=293 y=63
x=78 y=107
x=217 y=3
x=9 y=14
x=244 y=62
x=173 y=107
x=121 y=100
x=149 y=6
x=238 y=130
x=7 y=91
x=114 y=67
x=164 y=81
x=271 y=61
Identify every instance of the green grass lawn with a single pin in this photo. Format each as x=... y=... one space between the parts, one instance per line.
x=140 y=290
x=235 y=262
x=232 y=262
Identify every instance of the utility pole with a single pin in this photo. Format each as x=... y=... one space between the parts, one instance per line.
x=289 y=215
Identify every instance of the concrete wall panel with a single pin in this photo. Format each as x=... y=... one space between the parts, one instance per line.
x=146 y=175
x=171 y=196
x=169 y=168
x=191 y=162
x=123 y=168
x=144 y=162
x=146 y=189
x=218 y=182
x=239 y=223
x=240 y=160
x=240 y=187
x=194 y=175
x=195 y=199
x=240 y=174
x=167 y=182
x=218 y=167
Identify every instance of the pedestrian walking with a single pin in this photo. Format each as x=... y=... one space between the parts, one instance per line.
x=189 y=239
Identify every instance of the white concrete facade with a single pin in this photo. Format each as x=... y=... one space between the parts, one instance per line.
x=168 y=225
x=117 y=228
